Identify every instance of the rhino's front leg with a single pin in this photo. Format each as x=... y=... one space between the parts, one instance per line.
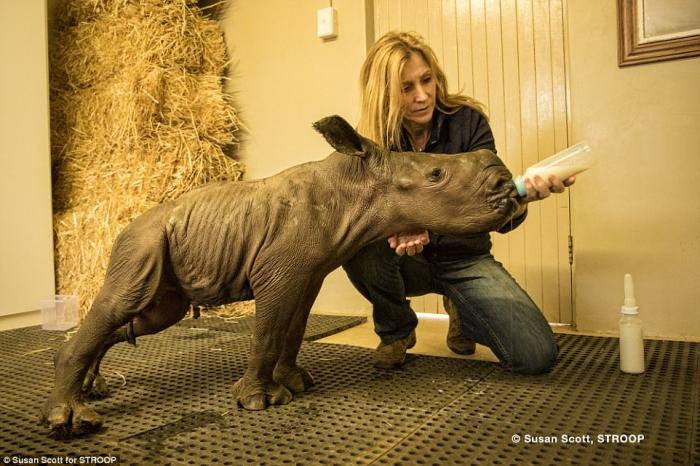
x=276 y=310
x=287 y=372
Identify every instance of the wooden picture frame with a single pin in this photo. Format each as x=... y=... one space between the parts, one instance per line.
x=636 y=47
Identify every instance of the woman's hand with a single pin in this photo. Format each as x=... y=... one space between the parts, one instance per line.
x=539 y=189
x=409 y=243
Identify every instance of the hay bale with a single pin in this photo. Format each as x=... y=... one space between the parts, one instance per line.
x=138 y=116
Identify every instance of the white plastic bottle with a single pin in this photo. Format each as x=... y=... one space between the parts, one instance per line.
x=631 y=335
x=564 y=164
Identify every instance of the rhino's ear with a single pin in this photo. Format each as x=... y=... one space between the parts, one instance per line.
x=343 y=137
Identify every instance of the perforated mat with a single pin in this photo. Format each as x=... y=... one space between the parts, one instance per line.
x=318 y=326
x=171 y=403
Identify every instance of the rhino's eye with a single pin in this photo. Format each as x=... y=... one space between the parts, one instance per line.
x=435 y=174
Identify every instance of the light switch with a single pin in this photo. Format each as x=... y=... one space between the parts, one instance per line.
x=327 y=23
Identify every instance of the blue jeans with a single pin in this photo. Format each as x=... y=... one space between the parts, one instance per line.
x=494 y=310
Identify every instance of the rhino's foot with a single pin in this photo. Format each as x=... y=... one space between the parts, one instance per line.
x=70 y=419
x=95 y=386
x=296 y=378
x=255 y=395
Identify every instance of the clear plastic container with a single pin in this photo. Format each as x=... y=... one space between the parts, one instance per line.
x=564 y=164
x=59 y=313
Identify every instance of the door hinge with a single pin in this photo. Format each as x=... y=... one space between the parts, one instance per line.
x=571 y=250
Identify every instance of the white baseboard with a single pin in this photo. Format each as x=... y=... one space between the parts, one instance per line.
x=24 y=319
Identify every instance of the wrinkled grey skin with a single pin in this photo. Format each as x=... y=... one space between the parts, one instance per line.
x=275 y=240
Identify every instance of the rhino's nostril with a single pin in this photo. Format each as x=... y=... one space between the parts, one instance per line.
x=512 y=190
x=503 y=201
x=504 y=187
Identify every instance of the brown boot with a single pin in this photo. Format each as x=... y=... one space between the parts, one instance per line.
x=393 y=355
x=455 y=340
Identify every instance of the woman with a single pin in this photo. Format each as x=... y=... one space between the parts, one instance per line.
x=406 y=107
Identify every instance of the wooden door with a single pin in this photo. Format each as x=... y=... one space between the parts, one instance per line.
x=510 y=55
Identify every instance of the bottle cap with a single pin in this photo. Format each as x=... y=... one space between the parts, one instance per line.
x=630 y=305
x=629 y=291
x=520 y=186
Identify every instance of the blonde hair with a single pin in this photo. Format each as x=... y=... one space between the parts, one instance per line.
x=381 y=113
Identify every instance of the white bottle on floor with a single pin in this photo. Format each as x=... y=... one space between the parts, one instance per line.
x=631 y=335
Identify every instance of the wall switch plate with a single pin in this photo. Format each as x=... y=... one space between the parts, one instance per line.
x=327 y=23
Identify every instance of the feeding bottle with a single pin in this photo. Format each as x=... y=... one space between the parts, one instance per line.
x=631 y=338
x=564 y=164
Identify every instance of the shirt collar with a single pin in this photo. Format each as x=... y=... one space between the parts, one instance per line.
x=438 y=119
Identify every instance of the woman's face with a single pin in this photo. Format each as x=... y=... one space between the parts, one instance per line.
x=418 y=86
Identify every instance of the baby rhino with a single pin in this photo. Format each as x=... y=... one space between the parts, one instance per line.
x=274 y=240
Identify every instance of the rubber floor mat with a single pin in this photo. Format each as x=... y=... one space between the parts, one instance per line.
x=586 y=411
x=171 y=403
x=318 y=326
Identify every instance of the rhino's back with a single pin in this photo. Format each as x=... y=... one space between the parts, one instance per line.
x=223 y=233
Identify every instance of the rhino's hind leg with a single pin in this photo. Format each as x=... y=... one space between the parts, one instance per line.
x=134 y=280
x=94 y=385
x=167 y=311
x=64 y=411
x=278 y=320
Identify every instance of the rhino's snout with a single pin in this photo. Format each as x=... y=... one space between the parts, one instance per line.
x=502 y=193
x=507 y=205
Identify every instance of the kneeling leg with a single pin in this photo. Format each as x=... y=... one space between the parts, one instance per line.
x=496 y=312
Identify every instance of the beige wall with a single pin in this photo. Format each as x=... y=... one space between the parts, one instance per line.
x=26 y=241
x=638 y=211
x=285 y=78
x=635 y=212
